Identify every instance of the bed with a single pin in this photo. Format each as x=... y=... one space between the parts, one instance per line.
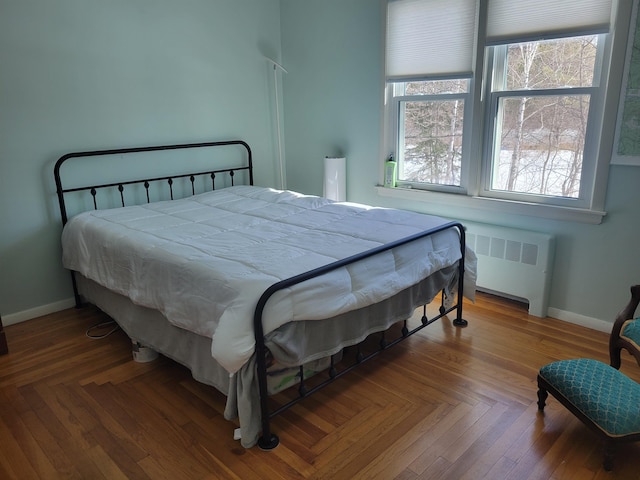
x=253 y=289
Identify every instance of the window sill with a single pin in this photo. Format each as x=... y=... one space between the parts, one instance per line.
x=494 y=205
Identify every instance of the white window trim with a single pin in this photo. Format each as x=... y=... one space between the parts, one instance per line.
x=589 y=161
x=493 y=205
x=594 y=212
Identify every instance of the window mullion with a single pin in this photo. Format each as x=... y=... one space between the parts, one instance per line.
x=475 y=121
x=547 y=92
x=431 y=98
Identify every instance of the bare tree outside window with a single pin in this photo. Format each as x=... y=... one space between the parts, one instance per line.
x=542 y=107
x=431 y=147
x=542 y=136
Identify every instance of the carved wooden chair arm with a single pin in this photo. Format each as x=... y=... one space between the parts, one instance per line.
x=615 y=341
x=628 y=312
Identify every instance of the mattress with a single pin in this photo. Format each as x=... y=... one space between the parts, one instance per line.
x=204 y=261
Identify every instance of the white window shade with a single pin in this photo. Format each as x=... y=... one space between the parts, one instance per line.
x=522 y=20
x=430 y=38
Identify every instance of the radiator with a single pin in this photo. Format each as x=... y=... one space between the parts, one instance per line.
x=512 y=262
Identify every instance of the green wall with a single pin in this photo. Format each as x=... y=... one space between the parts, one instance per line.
x=333 y=105
x=90 y=74
x=333 y=91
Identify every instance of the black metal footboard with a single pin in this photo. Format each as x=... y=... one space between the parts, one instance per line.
x=268 y=440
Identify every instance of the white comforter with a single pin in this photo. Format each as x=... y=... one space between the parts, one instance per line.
x=204 y=261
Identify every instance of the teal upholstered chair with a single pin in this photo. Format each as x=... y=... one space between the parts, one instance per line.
x=601 y=396
x=626 y=331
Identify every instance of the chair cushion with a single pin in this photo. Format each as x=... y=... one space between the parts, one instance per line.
x=631 y=331
x=603 y=394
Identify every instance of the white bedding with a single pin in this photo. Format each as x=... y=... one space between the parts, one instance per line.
x=204 y=261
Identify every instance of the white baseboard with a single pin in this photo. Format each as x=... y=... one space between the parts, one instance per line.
x=583 y=321
x=37 y=312
x=570 y=317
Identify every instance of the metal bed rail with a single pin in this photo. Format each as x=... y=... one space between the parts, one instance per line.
x=268 y=440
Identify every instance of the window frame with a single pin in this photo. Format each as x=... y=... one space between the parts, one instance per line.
x=396 y=112
x=480 y=102
x=496 y=62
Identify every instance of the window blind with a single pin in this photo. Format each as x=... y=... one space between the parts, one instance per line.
x=436 y=38
x=524 y=20
x=430 y=38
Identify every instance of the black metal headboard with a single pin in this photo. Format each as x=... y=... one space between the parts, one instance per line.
x=146 y=182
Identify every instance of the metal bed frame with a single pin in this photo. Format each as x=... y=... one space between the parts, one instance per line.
x=268 y=440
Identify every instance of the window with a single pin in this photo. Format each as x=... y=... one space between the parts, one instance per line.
x=540 y=97
x=511 y=107
x=430 y=132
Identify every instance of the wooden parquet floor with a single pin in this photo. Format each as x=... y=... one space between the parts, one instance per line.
x=446 y=404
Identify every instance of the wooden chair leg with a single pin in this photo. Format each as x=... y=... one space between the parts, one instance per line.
x=542 y=398
x=609 y=450
x=3 y=340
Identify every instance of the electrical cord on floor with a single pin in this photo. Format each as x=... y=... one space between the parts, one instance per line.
x=107 y=323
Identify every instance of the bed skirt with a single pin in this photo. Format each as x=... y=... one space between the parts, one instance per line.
x=309 y=343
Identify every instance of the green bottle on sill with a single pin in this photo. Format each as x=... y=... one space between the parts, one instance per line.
x=390 y=172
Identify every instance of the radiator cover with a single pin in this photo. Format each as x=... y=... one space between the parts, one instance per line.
x=515 y=263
